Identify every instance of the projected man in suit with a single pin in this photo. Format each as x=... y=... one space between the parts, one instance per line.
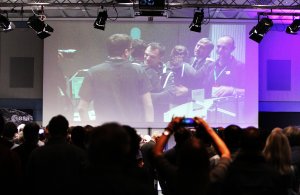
x=202 y=51
x=160 y=77
x=120 y=90
x=202 y=63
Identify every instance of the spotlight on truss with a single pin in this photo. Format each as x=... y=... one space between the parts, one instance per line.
x=294 y=27
x=5 y=24
x=42 y=29
x=101 y=20
x=197 y=21
x=258 y=32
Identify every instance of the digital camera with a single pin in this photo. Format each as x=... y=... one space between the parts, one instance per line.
x=188 y=122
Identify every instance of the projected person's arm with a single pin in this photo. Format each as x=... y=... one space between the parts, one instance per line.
x=83 y=110
x=85 y=94
x=228 y=91
x=148 y=107
x=166 y=93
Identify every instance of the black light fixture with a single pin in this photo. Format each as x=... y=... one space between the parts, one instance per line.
x=197 y=21
x=42 y=29
x=294 y=27
x=5 y=24
x=101 y=20
x=258 y=32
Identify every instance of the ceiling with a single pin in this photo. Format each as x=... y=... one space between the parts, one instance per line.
x=85 y=9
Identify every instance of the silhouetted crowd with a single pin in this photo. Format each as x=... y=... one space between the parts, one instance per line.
x=114 y=159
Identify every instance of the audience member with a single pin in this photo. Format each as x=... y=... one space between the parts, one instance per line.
x=58 y=164
x=31 y=138
x=293 y=135
x=232 y=138
x=9 y=133
x=249 y=173
x=181 y=134
x=192 y=175
x=78 y=137
x=147 y=154
x=277 y=153
x=110 y=171
x=10 y=165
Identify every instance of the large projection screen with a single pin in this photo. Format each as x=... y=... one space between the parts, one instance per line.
x=75 y=46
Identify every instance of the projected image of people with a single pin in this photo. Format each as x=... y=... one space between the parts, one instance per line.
x=143 y=78
x=120 y=90
x=217 y=85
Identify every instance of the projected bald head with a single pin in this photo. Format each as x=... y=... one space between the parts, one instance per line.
x=225 y=46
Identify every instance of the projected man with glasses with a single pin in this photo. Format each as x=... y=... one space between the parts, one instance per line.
x=119 y=90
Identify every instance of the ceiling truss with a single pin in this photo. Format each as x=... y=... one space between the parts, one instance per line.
x=213 y=9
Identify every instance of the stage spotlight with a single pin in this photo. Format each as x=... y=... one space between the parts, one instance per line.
x=294 y=27
x=197 y=21
x=258 y=32
x=101 y=20
x=42 y=29
x=5 y=24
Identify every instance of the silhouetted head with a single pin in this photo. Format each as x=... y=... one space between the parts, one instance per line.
x=58 y=126
x=10 y=130
x=134 y=141
x=293 y=135
x=181 y=134
x=78 y=135
x=251 y=140
x=194 y=166
x=109 y=144
x=31 y=133
x=232 y=136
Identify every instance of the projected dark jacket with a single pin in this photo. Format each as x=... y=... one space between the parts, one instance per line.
x=231 y=74
x=116 y=88
x=162 y=81
x=183 y=76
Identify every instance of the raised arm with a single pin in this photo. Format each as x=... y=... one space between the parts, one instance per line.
x=83 y=107
x=162 y=141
